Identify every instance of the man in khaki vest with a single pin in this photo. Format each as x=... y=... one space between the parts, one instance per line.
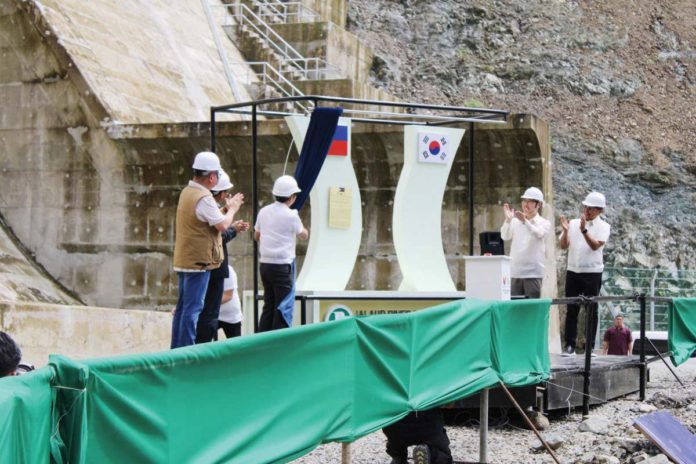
x=198 y=243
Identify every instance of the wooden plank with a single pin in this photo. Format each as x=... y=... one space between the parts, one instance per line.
x=668 y=434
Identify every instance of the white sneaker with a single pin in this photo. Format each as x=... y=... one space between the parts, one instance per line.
x=568 y=351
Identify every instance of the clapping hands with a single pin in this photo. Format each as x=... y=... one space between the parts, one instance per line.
x=235 y=202
x=509 y=212
x=564 y=223
x=240 y=226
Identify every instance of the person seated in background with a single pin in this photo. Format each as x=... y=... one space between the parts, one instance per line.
x=426 y=430
x=618 y=339
x=10 y=355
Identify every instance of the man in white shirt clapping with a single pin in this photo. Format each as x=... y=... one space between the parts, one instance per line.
x=584 y=238
x=527 y=230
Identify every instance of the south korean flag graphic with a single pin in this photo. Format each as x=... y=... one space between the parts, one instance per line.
x=433 y=148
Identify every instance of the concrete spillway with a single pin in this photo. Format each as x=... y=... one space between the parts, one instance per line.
x=21 y=278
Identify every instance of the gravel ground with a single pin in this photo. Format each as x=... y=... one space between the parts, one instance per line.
x=509 y=443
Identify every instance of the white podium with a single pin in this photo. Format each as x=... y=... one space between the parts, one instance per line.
x=487 y=277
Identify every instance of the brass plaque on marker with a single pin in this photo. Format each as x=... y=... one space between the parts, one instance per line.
x=340 y=207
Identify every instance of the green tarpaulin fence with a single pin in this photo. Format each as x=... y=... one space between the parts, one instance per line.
x=681 y=340
x=25 y=417
x=275 y=396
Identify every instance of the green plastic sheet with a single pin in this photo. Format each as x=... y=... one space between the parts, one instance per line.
x=25 y=417
x=275 y=396
x=681 y=334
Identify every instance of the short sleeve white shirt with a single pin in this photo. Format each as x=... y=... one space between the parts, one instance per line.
x=528 y=248
x=582 y=258
x=231 y=311
x=278 y=226
x=206 y=209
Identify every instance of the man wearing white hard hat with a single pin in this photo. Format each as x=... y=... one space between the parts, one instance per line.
x=207 y=325
x=198 y=243
x=584 y=238
x=276 y=228
x=528 y=231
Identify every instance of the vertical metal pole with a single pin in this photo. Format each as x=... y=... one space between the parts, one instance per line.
x=212 y=130
x=255 y=212
x=588 y=357
x=303 y=309
x=483 y=428
x=652 y=302
x=345 y=453
x=643 y=366
x=471 y=189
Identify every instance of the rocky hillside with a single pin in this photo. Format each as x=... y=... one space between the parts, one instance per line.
x=616 y=81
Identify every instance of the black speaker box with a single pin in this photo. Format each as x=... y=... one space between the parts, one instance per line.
x=491 y=243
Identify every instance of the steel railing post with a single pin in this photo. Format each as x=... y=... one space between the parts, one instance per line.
x=587 y=304
x=255 y=210
x=483 y=426
x=643 y=365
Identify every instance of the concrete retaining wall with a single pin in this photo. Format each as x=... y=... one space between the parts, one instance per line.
x=82 y=332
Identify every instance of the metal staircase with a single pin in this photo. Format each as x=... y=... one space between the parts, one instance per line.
x=279 y=12
x=277 y=65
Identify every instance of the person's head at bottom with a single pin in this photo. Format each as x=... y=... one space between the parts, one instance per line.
x=10 y=355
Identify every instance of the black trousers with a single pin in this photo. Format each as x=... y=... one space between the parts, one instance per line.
x=277 y=282
x=207 y=326
x=587 y=284
x=231 y=329
x=419 y=428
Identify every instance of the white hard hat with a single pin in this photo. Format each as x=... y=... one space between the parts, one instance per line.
x=533 y=193
x=284 y=186
x=223 y=183
x=207 y=161
x=595 y=200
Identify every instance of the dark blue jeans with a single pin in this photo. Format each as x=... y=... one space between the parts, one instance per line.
x=192 y=288
x=207 y=327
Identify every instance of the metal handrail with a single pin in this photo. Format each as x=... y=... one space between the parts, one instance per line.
x=289 y=55
x=301 y=11
x=651 y=270
x=267 y=76
x=280 y=83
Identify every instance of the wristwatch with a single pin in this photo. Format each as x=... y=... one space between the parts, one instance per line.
x=583 y=231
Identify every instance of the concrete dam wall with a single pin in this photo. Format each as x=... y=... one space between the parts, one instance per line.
x=102 y=119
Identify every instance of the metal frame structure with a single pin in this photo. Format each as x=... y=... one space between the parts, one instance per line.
x=435 y=115
x=361 y=111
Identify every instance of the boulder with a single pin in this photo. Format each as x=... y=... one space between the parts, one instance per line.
x=598 y=425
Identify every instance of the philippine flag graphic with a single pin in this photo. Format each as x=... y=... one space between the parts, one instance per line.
x=339 y=143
